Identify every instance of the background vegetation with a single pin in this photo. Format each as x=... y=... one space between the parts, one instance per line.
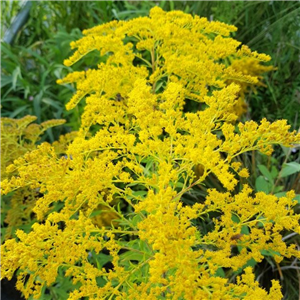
x=33 y=62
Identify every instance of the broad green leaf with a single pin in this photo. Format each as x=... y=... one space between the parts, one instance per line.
x=245 y=230
x=136 y=219
x=262 y=185
x=289 y=169
x=101 y=259
x=266 y=172
x=250 y=263
x=132 y=255
x=220 y=273
x=297 y=198
x=281 y=194
x=278 y=189
x=274 y=172
x=137 y=251
x=235 y=218
x=159 y=86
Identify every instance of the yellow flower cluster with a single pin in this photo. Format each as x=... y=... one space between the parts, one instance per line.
x=17 y=138
x=20 y=136
x=133 y=161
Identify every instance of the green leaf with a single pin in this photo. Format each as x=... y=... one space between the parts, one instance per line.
x=101 y=259
x=136 y=219
x=269 y=253
x=158 y=86
x=250 y=263
x=139 y=193
x=281 y=194
x=278 y=189
x=245 y=230
x=148 y=167
x=179 y=184
x=37 y=56
x=132 y=255
x=297 y=198
x=5 y=80
x=266 y=173
x=15 y=75
x=137 y=251
x=37 y=105
x=171 y=5
x=289 y=169
x=18 y=111
x=262 y=185
x=220 y=273
x=6 y=49
x=235 y=218
x=52 y=103
x=285 y=150
x=274 y=172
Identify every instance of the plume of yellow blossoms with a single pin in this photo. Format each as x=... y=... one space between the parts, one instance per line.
x=133 y=158
x=17 y=138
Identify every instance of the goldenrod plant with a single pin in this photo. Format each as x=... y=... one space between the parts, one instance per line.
x=18 y=137
x=133 y=161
